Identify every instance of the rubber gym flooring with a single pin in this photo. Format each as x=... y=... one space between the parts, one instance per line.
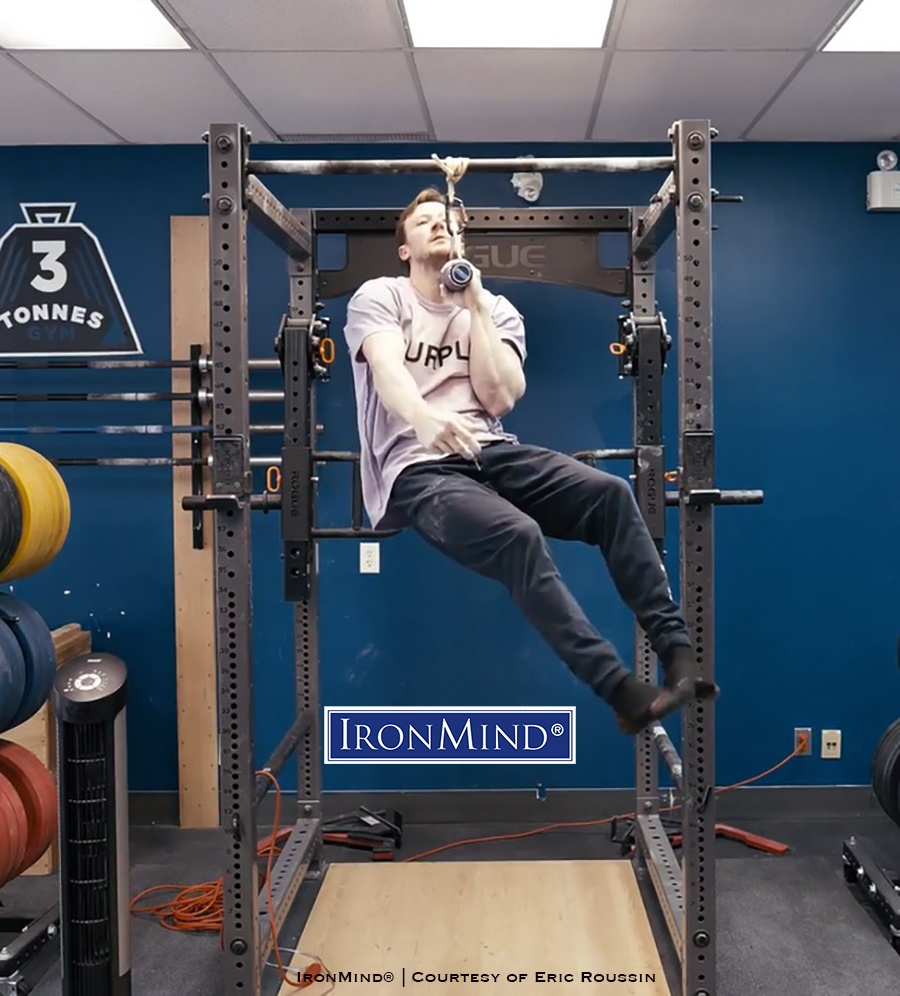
x=786 y=924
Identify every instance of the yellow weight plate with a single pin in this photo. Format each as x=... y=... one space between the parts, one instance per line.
x=49 y=509
x=46 y=512
x=57 y=521
x=37 y=508
x=64 y=510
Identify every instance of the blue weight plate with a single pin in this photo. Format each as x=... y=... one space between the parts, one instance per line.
x=13 y=673
x=36 y=641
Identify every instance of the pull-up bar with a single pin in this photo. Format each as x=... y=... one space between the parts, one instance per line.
x=578 y=164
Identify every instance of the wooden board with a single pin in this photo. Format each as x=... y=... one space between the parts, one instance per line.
x=496 y=919
x=194 y=622
x=38 y=734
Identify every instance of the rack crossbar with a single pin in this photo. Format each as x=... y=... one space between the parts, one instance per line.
x=280 y=755
x=288 y=874
x=588 y=164
x=665 y=874
x=274 y=220
x=656 y=223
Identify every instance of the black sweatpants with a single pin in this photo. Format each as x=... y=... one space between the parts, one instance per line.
x=494 y=520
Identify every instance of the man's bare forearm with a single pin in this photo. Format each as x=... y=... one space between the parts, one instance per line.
x=398 y=392
x=495 y=369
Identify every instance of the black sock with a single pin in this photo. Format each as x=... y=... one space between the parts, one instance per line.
x=679 y=662
x=632 y=697
x=681 y=670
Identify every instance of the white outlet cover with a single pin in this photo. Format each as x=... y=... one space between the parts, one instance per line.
x=369 y=558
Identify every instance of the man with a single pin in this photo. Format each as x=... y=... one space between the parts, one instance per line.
x=434 y=373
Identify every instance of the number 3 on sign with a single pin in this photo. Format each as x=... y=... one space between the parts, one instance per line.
x=50 y=253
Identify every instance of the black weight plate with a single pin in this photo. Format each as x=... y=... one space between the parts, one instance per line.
x=891 y=784
x=887 y=791
x=10 y=519
x=883 y=762
x=36 y=642
x=13 y=676
x=886 y=771
x=878 y=766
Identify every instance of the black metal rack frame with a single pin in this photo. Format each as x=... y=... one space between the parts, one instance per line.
x=553 y=245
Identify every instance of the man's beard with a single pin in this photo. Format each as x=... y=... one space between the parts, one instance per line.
x=436 y=257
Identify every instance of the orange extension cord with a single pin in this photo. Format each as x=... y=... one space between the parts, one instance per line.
x=199 y=907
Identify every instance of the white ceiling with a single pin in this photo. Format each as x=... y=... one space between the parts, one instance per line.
x=319 y=70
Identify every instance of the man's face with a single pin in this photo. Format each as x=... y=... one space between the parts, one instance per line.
x=427 y=236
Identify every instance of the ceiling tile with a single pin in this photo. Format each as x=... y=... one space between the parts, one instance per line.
x=362 y=92
x=673 y=25
x=38 y=116
x=647 y=91
x=846 y=96
x=510 y=95
x=292 y=26
x=162 y=97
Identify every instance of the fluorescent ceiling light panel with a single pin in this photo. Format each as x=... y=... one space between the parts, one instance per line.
x=85 y=25
x=873 y=27
x=506 y=24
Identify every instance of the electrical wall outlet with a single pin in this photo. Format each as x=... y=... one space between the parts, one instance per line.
x=831 y=743
x=803 y=740
x=369 y=558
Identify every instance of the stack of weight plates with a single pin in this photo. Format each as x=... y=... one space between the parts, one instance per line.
x=28 y=810
x=34 y=525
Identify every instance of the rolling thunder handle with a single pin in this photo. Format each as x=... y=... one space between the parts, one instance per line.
x=457 y=274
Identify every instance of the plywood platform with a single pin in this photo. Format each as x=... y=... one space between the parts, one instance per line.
x=496 y=919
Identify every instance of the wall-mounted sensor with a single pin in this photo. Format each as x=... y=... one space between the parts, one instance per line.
x=883 y=188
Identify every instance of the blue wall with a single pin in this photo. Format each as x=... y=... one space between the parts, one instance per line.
x=807 y=404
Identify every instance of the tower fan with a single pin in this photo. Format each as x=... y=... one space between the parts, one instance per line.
x=89 y=700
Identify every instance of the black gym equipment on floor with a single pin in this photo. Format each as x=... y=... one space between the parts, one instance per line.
x=865 y=864
x=683 y=206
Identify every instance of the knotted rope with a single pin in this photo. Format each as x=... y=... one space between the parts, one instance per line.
x=454 y=169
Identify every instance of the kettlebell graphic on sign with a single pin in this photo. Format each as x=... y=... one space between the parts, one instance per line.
x=58 y=296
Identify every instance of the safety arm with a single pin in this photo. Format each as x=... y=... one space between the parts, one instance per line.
x=495 y=368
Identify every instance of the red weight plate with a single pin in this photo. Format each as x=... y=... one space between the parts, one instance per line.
x=13 y=833
x=9 y=838
x=37 y=790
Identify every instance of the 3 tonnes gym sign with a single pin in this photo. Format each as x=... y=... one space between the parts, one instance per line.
x=58 y=296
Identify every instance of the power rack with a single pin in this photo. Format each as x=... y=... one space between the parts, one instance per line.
x=552 y=245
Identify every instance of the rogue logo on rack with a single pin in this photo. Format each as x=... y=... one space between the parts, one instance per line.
x=490 y=735
x=508 y=255
x=58 y=296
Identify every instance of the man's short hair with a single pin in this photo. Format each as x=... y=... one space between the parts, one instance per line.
x=429 y=195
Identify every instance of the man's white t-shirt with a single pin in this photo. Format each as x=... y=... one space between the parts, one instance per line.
x=437 y=355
